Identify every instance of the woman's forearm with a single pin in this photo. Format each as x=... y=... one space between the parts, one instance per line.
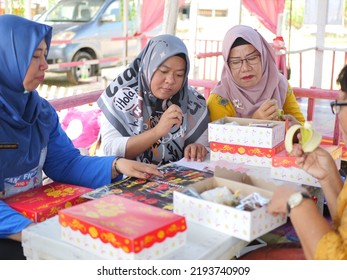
x=138 y=144
x=309 y=225
x=332 y=187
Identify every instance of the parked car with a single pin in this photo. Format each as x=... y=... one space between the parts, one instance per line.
x=90 y=25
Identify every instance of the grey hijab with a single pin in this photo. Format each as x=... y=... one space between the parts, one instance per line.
x=131 y=108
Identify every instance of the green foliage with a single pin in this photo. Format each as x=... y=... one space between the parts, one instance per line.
x=297 y=13
x=131 y=9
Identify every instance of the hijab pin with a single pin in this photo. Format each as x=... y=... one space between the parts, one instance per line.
x=237 y=103
x=223 y=101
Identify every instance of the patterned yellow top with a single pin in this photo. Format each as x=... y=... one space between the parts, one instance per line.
x=333 y=244
x=219 y=107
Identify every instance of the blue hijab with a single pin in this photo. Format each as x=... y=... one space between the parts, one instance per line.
x=24 y=117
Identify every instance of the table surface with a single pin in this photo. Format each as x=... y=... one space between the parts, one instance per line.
x=42 y=241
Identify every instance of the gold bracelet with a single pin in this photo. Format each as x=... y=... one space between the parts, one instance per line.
x=115 y=171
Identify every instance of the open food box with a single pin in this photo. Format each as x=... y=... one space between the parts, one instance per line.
x=240 y=223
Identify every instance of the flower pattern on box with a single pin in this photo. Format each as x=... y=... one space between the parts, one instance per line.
x=262 y=137
x=284 y=167
x=244 y=154
x=241 y=224
x=44 y=202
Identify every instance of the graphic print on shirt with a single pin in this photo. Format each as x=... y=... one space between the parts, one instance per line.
x=29 y=180
x=129 y=102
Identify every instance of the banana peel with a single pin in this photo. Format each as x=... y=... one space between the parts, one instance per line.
x=310 y=139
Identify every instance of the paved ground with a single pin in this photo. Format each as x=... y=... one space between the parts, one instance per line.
x=323 y=120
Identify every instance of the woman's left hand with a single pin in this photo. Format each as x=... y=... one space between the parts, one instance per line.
x=291 y=120
x=195 y=152
x=278 y=202
x=133 y=168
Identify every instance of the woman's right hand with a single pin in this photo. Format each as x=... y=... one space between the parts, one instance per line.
x=173 y=116
x=267 y=111
x=318 y=163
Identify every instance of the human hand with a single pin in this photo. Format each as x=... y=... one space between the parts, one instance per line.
x=194 y=152
x=267 y=111
x=18 y=236
x=279 y=199
x=318 y=163
x=132 y=168
x=291 y=120
x=171 y=117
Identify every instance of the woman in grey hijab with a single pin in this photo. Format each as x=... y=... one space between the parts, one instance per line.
x=149 y=111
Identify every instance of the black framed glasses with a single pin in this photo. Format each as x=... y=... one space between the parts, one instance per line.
x=335 y=106
x=237 y=63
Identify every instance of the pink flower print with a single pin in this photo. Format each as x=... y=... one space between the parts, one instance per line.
x=244 y=219
x=299 y=177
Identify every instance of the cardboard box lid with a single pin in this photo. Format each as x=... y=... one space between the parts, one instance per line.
x=246 y=150
x=256 y=181
x=256 y=135
x=287 y=160
x=126 y=224
x=334 y=150
x=248 y=121
x=45 y=201
x=236 y=181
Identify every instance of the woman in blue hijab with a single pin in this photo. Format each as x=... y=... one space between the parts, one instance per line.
x=31 y=138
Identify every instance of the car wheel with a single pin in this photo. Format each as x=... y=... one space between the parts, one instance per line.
x=76 y=74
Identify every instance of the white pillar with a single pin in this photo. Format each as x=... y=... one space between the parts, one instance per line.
x=193 y=22
x=170 y=16
x=27 y=9
x=234 y=12
x=7 y=7
x=279 y=24
x=139 y=23
x=125 y=30
x=322 y=10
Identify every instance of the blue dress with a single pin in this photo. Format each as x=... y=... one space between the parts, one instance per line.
x=30 y=122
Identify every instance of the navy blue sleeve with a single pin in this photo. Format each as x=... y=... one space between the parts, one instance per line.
x=64 y=163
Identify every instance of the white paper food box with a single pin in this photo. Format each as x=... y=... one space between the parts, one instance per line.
x=246 y=225
x=115 y=227
x=242 y=154
x=284 y=167
x=223 y=131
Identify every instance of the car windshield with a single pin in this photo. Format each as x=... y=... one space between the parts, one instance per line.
x=81 y=11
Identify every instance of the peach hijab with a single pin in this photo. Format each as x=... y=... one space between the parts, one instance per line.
x=272 y=85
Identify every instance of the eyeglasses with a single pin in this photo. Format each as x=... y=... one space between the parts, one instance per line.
x=237 y=63
x=335 y=106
